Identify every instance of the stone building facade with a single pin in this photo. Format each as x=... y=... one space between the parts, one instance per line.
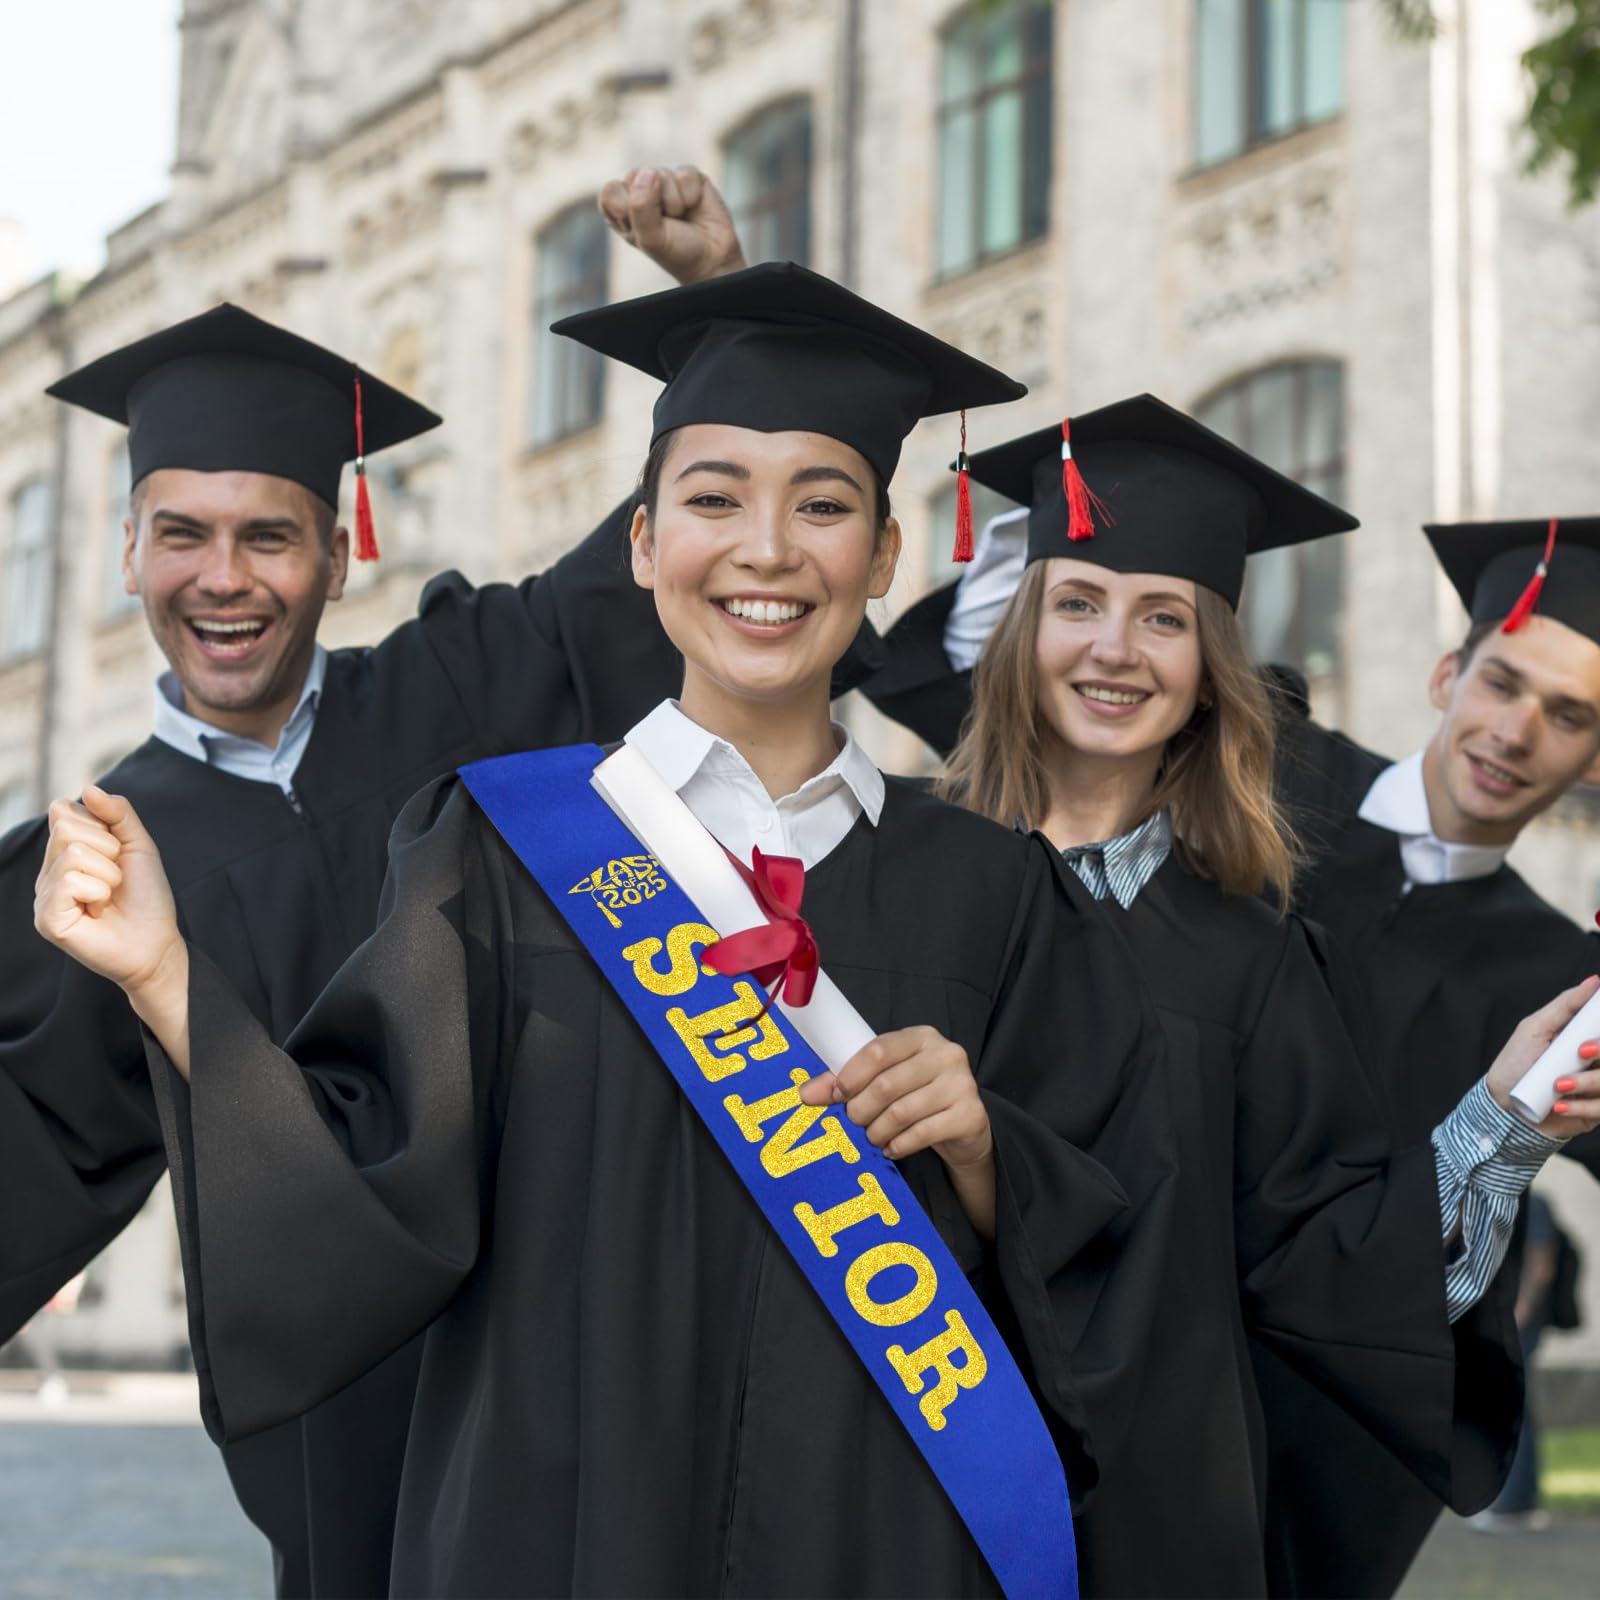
x=1314 y=234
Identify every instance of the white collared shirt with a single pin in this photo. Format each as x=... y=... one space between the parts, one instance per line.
x=1398 y=801
x=728 y=799
x=243 y=758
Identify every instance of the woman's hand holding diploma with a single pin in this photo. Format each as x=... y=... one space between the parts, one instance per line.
x=1576 y=1094
x=914 y=1090
x=102 y=896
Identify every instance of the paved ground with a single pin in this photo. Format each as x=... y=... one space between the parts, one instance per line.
x=1458 y=1564
x=117 y=1494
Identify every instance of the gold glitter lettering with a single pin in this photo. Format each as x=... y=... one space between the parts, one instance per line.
x=782 y=1153
x=934 y=1357
x=684 y=970
x=891 y=1313
x=825 y=1226
x=739 y=1022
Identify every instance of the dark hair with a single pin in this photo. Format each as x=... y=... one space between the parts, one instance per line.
x=648 y=488
x=1476 y=634
x=324 y=518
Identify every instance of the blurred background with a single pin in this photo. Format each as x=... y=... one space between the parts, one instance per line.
x=1312 y=223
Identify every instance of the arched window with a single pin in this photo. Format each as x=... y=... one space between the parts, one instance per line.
x=768 y=165
x=1263 y=68
x=26 y=575
x=569 y=275
x=994 y=131
x=1292 y=417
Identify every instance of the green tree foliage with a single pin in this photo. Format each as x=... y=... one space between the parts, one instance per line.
x=1564 y=112
x=1563 y=70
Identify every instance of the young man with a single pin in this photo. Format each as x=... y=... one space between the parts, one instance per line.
x=270 y=783
x=1447 y=945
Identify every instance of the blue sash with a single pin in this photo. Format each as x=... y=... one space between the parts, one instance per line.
x=839 y=1205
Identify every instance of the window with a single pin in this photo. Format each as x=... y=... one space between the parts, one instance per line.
x=942 y=525
x=994 y=131
x=115 y=602
x=1292 y=417
x=1263 y=68
x=568 y=380
x=769 y=183
x=25 y=572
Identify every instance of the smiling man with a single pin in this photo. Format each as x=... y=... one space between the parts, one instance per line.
x=274 y=772
x=1407 y=868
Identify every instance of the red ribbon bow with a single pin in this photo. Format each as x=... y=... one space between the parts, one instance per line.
x=783 y=953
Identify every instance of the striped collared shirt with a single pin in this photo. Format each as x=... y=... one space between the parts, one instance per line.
x=1121 y=867
x=243 y=758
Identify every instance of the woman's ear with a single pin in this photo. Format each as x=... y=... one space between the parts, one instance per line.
x=642 y=540
x=885 y=558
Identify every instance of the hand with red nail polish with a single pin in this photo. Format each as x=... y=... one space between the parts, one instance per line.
x=1578 y=1109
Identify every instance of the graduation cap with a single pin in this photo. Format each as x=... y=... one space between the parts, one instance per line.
x=1139 y=487
x=227 y=392
x=780 y=349
x=1504 y=570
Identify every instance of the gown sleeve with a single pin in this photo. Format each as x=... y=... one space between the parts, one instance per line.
x=1340 y=1252
x=1085 y=1164
x=573 y=654
x=328 y=1193
x=80 y=1146
x=916 y=685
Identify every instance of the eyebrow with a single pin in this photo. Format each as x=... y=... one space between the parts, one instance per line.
x=1553 y=702
x=731 y=469
x=825 y=475
x=253 y=525
x=1168 y=595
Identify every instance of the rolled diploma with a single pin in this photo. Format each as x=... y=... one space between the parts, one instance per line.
x=665 y=826
x=1535 y=1093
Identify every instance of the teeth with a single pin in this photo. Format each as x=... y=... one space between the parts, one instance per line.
x=1498 y=773
x=229 y=627
x=764 y=610
x=1112 y=697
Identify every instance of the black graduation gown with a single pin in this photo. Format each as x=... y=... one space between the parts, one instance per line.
x=278 y=896
x=1299 y=1226
x=1431 y=988
x=1445 y=972
x=627 y=1386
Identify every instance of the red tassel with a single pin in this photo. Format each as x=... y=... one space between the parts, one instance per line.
x=1083 y=504
x=1529 y=597
x=963 y=550
x=366 y=535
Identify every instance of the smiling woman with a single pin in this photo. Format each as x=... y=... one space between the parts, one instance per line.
x=1116 y=710
x=480 y=1073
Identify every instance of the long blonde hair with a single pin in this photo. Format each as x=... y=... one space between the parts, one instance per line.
x=1215 y=778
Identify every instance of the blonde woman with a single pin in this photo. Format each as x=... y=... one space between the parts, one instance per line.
x=1116 y=711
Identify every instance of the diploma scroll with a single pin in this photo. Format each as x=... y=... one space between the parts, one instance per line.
x=1535 y=1094
x=656 y=816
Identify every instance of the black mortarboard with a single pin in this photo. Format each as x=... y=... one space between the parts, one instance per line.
x=1502 y=570
x=227 y=392
x=1144 y=488
x=780 y=349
